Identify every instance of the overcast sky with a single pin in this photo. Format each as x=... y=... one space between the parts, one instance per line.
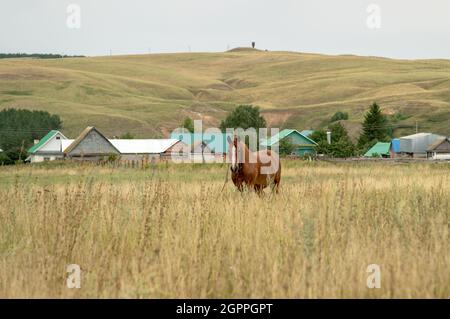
x=402 y=29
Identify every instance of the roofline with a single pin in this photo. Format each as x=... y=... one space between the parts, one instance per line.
x=176 y=141
x=83 y=134
x=292 y=131
x=385 y=152
x=45 y=143
x=432 y=147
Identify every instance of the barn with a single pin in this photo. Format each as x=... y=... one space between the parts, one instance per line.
x=416 y=145
x=439 y=150
x=303 y=144
x=91 y=145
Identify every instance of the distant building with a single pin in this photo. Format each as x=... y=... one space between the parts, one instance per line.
x=92 y=145
x=439 y=150
x=379 y=150
x=416 y=145
x=51 y=147
x=202 y=147
x=394 y=149
x=143 y=149
x=302 y=144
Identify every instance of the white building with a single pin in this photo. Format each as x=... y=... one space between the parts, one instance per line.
x=93 y=145
x=51 y=147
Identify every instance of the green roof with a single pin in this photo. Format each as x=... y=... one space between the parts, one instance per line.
x=43 y=140
x=378 y=149
x=280 y=135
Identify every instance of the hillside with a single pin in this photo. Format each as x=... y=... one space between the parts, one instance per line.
x=149 y=95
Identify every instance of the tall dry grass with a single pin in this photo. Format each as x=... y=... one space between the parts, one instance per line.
x=169 y=231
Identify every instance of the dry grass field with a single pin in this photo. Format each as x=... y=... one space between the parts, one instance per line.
x=150 y=95
x=169 y=231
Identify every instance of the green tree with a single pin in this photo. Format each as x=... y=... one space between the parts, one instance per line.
x=286 y=147
x=244 y=116
x=18 y=129
x=339 y=116
x=375 y=128
x=188 y=124
x=341 y=144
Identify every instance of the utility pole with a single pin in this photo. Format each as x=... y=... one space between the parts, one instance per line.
x=328 y=137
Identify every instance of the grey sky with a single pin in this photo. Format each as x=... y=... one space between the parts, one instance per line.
x=409 y=28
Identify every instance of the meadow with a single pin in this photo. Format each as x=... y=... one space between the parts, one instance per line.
x=169 y=231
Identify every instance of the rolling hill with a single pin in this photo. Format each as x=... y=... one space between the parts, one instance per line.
x=149 y=95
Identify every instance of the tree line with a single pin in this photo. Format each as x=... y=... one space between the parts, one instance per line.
x=37 y=56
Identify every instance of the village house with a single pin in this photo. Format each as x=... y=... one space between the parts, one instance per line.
x=440 y=149
x=51 y=147
x=202 y=147
x=303 y=145
x=92 y=145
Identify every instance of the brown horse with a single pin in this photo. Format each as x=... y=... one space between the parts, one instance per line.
x=256 y=170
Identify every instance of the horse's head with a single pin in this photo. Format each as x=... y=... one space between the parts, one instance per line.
x=235 y=153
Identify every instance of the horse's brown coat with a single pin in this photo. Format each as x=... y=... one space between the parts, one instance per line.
x=249 y=170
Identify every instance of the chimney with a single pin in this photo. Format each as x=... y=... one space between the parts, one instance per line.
x=329 y=137
x=36 y=141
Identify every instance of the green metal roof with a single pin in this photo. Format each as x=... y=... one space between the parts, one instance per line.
x=280 y=135
x=380 y=148
x=43 y=140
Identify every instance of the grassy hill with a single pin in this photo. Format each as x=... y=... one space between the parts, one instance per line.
x=149 y=95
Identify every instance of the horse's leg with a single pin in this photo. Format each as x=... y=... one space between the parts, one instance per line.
x=276 y=184
x=277 y=187
x=259 y=190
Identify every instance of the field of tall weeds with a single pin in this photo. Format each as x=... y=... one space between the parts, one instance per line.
x=170 y=231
